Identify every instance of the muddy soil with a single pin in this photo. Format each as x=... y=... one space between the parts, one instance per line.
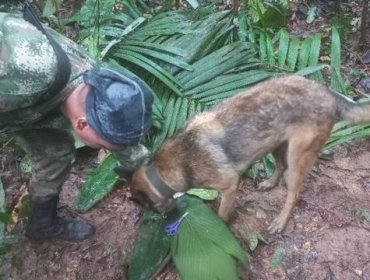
x=325 y=239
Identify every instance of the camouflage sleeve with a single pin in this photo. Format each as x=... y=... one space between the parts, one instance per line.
x=80 y=60
x=28 y=63
x=27 y=68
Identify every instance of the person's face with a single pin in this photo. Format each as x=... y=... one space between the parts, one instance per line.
x=90 y=138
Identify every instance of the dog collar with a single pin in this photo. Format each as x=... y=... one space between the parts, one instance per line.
x=158 y=183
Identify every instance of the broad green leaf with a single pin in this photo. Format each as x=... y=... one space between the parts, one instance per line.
x=340 y=126
x=252 y=237
x=314 y=56
x=168 y=115
x=182 y=114
x=50 y=7
x=208 y=224
x=25 y=207
x=132 y=7
x=335 y=59
x=253 y=171
x=256 y=9
x=269 y=165
x=174 y=117
x=215 y=99
x=304 y=53
x=283 y=47
x=204 y=247
x=199 y=108
x=270 y=51
x=197 y=257
x=159 y=55
x=119 y=33
x=293 y=53
x=227 y=83
x=151 y=249
x=274 y=17
x=335 y=54
x=213 y=65
x=25 y=164
x=156 y=46
x=5 y=218
x=107 y=6
x=151 y=67
x=344 y=129
x=193 y=3
x=337 y=81
x=277 y=257
x=263 y=47
x=310 y=69
x=99 y=183
x=204 y=193
x=191 y=108
x=224 y=82
x=347 y=138
x=311 y=14
x=365 y=216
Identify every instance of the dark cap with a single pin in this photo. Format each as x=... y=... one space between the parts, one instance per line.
x=118 y=106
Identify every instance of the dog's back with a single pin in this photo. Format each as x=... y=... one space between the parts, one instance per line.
x=253 y=123
x=262 y=118
x=291 y=117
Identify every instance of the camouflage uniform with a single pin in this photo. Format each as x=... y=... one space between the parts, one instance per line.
x=27 y=68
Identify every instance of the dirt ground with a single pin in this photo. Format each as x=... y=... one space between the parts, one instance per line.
x=327 y=238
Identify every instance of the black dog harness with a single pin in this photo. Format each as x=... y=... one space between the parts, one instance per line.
x=158 y=183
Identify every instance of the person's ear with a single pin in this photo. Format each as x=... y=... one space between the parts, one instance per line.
x=81 y=123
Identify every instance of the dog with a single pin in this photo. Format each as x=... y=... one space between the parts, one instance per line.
x=290 y=117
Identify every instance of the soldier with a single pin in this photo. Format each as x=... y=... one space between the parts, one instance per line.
x=104 y=107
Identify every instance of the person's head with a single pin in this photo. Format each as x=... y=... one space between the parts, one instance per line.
x=109 y=109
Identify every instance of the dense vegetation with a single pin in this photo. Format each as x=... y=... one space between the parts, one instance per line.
x=193 y=54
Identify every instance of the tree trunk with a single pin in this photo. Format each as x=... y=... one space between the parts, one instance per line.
x=364 y=25
x=236 y=8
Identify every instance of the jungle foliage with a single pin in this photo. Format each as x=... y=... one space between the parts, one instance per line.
x=193 y=55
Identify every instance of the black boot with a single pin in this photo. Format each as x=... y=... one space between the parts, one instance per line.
x=43 y=223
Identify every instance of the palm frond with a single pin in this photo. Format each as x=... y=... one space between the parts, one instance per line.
x=289 y=54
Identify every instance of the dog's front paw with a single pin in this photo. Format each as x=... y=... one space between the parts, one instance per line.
x=265 y=185
x=277 y=225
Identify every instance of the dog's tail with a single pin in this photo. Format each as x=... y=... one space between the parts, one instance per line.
x=352 y=111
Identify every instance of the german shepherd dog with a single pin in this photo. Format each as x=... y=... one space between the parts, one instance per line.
x=291 y=117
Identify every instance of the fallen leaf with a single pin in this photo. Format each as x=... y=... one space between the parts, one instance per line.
x=334 y=219
x=277 y=258
x=15 y=216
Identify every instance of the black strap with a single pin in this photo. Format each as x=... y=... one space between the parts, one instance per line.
x=63 y=64
x=158 y=183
